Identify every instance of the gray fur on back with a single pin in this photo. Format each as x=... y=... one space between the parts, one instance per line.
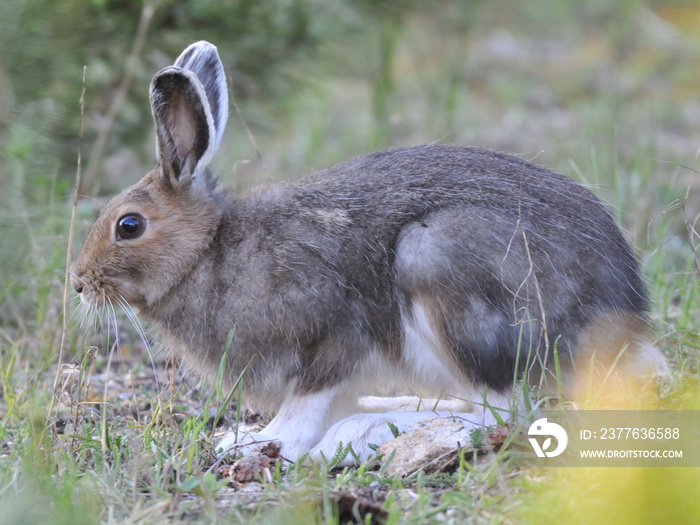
x=313 y=275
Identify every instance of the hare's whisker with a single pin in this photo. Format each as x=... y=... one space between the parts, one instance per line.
x=136 y=323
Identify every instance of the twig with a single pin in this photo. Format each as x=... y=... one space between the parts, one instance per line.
x=251 y=137
x=692 y=234
x=172 y=382
x=71 y=228
x=118 y=101
x=542 y=311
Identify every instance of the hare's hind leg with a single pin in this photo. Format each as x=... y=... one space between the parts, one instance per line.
x=428 y=366
x=372 y=404
x=457 y=310
x=364 y=432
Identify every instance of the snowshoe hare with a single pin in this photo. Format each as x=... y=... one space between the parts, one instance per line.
x=443 y=270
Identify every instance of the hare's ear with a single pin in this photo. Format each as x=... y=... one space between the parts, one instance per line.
x=189 y=102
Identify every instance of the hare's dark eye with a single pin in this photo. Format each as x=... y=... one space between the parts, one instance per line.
x=130 y=226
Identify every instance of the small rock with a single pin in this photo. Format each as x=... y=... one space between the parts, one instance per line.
x=432 y=447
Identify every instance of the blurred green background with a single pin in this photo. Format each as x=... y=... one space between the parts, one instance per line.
x=604 y=91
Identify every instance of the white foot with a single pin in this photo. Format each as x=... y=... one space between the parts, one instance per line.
x=366 y=432
x=299 y=424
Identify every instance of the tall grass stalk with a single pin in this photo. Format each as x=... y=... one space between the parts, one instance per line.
x=71 y=229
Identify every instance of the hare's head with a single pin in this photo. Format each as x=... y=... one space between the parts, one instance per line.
x=152 y=233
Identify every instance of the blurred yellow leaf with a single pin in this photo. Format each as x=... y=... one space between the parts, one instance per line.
x=685 y=17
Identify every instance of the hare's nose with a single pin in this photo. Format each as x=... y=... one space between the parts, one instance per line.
x=77 y=285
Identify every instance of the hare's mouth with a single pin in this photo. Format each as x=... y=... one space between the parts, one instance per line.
x=106 y=298
x=92 y=299
x=91 y=295
x=100 y=301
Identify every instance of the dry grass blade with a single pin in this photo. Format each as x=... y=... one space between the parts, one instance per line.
x=71 y=228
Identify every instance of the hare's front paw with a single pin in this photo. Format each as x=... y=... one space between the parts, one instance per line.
x=359 y=431
x=298 y=425
x=242 y=442
x=293 y=444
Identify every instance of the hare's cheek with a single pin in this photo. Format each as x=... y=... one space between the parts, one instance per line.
x=125 y=291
